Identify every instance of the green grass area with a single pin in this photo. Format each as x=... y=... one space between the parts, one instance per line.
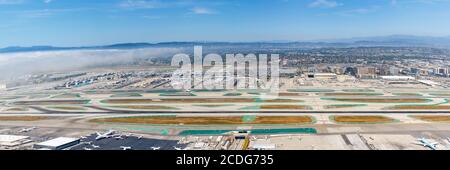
x=10 y=97
x=310 y=90
x=207 y=90
x=406 y=94
x=380 y=100
x=67 y=108
x=248 y=118
x=67 y=95
x=338 y=106
x=162 y=91
x=358 y=90
x=232 y=94
x=127 y=95
x=277 y=107
x=178 y=94
x=16 y=109
x=350 y=94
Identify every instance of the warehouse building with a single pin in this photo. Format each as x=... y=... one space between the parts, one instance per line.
x=58 y=143
x=13 y=140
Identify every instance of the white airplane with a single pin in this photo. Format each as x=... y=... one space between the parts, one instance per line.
x=118 y=137
x=140 y=137
x=87 y=149
x=104 y=135
x=87 y=143
x=125 y=148
x=156 y=148
x=95 y=146
x=426 y=143
x=83 y=137
x=176 y=148
x=27 y=129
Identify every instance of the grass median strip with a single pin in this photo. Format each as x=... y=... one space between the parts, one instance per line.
x=420 y=107
x=361 y=119
x=230 y=120
x=22 y=118
x=195 y=100
x=380 y=100
x=432 y=118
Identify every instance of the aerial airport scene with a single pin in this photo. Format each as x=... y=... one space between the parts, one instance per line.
x=389 y=92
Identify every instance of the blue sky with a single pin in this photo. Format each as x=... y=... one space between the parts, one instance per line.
x=100 y=22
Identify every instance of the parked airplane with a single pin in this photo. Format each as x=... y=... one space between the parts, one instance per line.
x=125 y=148
x=88 y=143
x=87 y=149
x=95 y=146
x=27 y=129
x=104 y=135
x=176 y=148
x=426 y=143
x=156 y=148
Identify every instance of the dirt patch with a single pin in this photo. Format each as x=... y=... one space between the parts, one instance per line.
x=282 y=101
x=362 y=119
x=419 y=107
x=22 y=118
x=214 y=105
x=350 y=94
x=445 y=94
x=381 y=100
x=144 y=107
x=432 y=118
x=67 y=108
x=282 y=119
x=284 y=107
x=51 y=102
x=232 y=120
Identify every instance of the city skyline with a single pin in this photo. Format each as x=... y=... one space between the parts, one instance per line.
x=85 y=23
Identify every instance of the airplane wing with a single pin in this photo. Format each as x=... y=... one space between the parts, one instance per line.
x=419 y=143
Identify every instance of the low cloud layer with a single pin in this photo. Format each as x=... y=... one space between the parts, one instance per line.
x=17 y=64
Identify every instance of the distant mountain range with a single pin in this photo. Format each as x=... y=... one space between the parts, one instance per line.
x=387 y=41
